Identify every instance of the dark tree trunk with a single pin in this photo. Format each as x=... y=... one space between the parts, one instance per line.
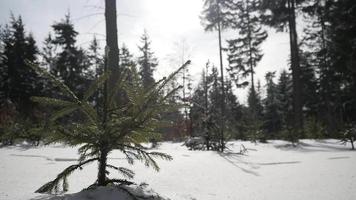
x=252 y=66
x=111 y=64
x=222 y=121
x=206 y=130
x=111 y=41
x=102 y=166
x=295 y=65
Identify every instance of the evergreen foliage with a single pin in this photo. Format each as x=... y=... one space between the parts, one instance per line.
x=281 y=14
x=121 y=127
x=272 y=119
x=215 y=16
x=71 y=63
x=206 y=114
x=147 y=62
x=95 y=57
x=18 y=81
x=244 y=52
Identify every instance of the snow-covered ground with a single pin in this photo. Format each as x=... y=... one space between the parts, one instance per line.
x=313 y=170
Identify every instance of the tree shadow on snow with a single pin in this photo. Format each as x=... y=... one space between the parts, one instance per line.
x=235 y=159
x=48 y=197
x=20 y=147
x=320 y=146
x=46 y=158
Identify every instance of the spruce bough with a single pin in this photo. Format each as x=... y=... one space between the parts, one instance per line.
x=116 y=126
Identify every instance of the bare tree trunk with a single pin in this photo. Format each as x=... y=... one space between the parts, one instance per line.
x=111 y=42
x=111 y=64
x=102 y=166
x=207 y=135
x=252 y=66
x=222 y=121
x=297 y=97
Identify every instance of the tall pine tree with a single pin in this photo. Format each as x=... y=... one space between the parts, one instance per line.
x=71 y=63
x=215 y=18
x=281 y=14
x=244 y=52
x=19 y=81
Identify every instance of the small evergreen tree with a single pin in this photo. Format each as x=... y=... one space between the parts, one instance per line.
x=95 y=57
x=147 y=62
x=285 y=106
x=121 y=127
x=271 y=116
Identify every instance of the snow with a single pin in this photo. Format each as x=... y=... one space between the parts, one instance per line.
x=322 y=169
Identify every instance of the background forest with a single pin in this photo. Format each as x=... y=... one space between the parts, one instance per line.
x=313 y=98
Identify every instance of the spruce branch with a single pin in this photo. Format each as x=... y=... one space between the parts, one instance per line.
x=53 y=186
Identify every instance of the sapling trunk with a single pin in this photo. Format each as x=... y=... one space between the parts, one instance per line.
x=352 y=143
x=102 y=166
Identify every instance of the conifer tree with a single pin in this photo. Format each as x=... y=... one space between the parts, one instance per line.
x=341 y=35
x=281 y=14
x=317 y=44
x=48 y=52
x=244 y=52
x=4 y=34
x=126 y=58
x=19 y=82
x=215 y=18
x=206 y=110
x=147 y=61
x=95 y=57
x=215 y=111
x=309 y=82
x=254 y=117
x=70 y=61
x=121 y=126
x=271 y=116
x=285 y=105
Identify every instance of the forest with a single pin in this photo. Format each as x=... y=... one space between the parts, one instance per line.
x=104 y=97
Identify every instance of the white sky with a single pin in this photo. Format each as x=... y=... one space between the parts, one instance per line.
x=166 y=21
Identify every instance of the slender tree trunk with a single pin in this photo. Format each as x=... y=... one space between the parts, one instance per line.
x=111 y=41
x=207 y=135
x=222 y=121
x=102 y=166
x=297 y=97
x=111 y=64
x=251 y=63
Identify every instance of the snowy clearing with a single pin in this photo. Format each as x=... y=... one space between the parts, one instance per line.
x=313 y=170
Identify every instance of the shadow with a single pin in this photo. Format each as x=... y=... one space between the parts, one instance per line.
x=48 y=197
x=46 y=158
x=32 y=156
x=319 y=146
x=111 y=158
x=234 y=159
x=20 y=147
x=339 y=157
x=280 y=163
x=65 y=159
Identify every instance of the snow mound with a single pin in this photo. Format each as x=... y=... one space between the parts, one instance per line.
x=110 y=193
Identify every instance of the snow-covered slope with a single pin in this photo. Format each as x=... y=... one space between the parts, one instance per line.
x=313 y=170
